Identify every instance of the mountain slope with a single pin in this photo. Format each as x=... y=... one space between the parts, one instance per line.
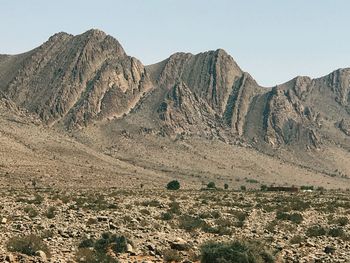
x=88 y=85
x=75 y=79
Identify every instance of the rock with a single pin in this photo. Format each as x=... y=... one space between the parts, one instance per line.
x=179 y=244
x=151 y=247
x=63 y=234
x=310 y=244
x=4 y=220
x=42 y=255
x=112 y=226
x=10 y=258
x=329 y=250
x=102 y=218
x=129 y=248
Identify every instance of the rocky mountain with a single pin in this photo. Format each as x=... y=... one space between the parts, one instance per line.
x=84 y=81
x=75 y=79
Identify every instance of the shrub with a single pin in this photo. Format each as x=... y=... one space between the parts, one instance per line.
x=252 y=181
x=171 y=255
x=297 y=239
x=50 y=213
x=296 y=218
x=243 y=188
x=263 y=187
x=223 y=227
x=211 y=185
x=27 y=245
x=342 y=221
x=152 y=203
x=31 y=211
x=167 y=216
x=225 y=186
x=190 y=223
x=299 y=205
x=236 y=251
x=306 y=187
x=173 y=185
x=336 y=232
x=99 y=248
x=87 y=255
x=174 y=208
x=315 y=231
x=86 y=243
x=241 y=216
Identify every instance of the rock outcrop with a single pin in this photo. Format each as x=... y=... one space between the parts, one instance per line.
x=77 y=80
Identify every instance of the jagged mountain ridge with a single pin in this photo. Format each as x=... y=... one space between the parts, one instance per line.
x=77 y=80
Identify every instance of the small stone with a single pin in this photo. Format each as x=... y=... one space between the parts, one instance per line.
x=4 y=220
x=41 y=254
x=129 y=248
x=102 y=218
x=179 y=244
x=112 y=226
x=10 y=258
x=329 y=250
x=151 y=247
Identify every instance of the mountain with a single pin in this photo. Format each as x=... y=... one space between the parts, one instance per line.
x=87 y=87
x=75 y=80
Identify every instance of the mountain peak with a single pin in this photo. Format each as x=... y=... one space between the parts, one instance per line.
x=95 y=32
x=59 y=36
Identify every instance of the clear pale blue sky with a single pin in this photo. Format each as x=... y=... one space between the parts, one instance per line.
x=274 y=40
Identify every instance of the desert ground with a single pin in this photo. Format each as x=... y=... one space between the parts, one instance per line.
x=160 y=225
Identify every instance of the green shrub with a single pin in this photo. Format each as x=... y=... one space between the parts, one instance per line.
x=171 y=255
x=216 y=230
x=173 y=185
x=152 y=203
x=297 y=239
x=27 y=245
x=236 y=251
x=86 y=243
x=342 y=221
x=306 y=187
x=336 y=232
x=243 y=188
x=50 y=213
x=211 y=185
x=174 y=208
x=31 y=211
x=86 y=255
x=167 y=216
x=190 y=223
x=100 y=247
x=296 y=218
x=225 y=186
x=315 y=231
x=263 y=187
x=252 y=181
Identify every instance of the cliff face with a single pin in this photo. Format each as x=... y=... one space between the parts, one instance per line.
x=78 y=80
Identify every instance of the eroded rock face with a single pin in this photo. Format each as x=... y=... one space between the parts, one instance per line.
x=287 y=119
x=210 y=75
x=344 y=126
x=78 y=80
x=339 y=83
x=88 y=76
x=183 y=112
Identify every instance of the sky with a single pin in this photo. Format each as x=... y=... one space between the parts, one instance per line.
x=273 y=40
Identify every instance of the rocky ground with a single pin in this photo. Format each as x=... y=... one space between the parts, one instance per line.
x=164 y=225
